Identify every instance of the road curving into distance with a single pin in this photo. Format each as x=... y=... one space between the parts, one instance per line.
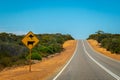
x=87 y=64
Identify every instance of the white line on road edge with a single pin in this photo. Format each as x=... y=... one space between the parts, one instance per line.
x=66 y=64
x=104 y=68
x=102 y=54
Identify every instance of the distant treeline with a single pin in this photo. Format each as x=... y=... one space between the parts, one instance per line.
x=109 y=41
x=14 y=52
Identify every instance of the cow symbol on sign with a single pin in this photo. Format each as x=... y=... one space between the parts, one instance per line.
x=30 y=43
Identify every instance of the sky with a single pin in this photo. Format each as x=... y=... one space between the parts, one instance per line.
x=80 y=18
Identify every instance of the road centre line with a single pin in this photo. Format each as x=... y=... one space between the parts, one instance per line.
x=100 y=65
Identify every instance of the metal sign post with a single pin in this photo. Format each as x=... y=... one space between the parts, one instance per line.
x=30 y=61
x=30 y=40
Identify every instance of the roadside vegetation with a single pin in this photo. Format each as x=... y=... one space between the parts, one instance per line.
x=107 y=40
x=14 y=53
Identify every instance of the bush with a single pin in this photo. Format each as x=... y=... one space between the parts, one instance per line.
x=35 y=56
x=21 y=62
x=55 y=48
x=109 y=41
x=13 y=51
x=6 y=61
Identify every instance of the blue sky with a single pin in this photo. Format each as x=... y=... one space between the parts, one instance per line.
x=80 y=18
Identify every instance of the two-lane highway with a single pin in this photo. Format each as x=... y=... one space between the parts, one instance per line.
x=86 y=64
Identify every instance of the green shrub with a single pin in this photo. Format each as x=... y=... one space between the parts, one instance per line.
x=6 y=61
x=20 y=62
x=109 y=41
x=35 y=56
x=15 y=52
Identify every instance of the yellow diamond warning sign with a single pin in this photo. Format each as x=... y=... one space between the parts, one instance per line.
x=30 y=40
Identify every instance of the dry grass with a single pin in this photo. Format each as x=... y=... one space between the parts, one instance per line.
x=42 y=70
x=96 y=46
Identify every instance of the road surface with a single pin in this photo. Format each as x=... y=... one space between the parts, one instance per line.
x=87 y=64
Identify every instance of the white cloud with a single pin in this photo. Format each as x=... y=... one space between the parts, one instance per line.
x=19 y=32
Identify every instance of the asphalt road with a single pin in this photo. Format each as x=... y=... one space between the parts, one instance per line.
x=87 y=64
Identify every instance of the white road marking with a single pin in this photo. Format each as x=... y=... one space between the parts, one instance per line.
x=104 y=68
x=102 y=54
x=66 y=64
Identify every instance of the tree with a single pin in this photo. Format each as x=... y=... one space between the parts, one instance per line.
x=99 y=32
